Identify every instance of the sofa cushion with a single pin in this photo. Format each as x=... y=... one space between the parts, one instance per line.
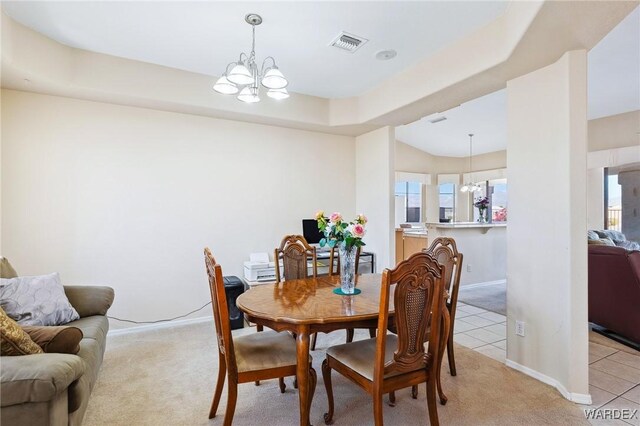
x=6 y=270
x=602 y=242
x=615 y=236
x=61 y=339
x=13 y=339
x=34 y=378
x=38 y=300
x=94 y=327
x=592 y=235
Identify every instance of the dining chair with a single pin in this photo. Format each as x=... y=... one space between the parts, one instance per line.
x=295 y=253
x=446 y=252
x=257 y=356
x=334 y=269
x=394 y=361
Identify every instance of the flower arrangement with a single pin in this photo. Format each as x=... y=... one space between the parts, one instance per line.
x=337 y=231
x=482 y=203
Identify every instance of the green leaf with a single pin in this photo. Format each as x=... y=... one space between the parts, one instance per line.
x=332 y=243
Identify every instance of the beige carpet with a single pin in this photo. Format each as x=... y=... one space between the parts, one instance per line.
x=167 y=377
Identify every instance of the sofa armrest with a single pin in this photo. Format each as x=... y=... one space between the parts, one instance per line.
x=37 y=378
x=90 y=300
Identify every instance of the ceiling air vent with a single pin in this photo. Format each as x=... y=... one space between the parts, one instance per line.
x=348 y=42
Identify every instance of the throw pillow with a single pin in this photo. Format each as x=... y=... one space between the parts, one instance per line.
x=592 y=235
x=63 y=340
x=6 y=270
x=38 y=300
x=14 y=340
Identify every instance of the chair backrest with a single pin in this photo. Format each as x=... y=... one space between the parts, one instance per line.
x=295 y=252
x=220 y=310
x=418 y=299
x=446 y=253
x=332 y=256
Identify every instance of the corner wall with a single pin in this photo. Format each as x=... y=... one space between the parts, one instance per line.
x=375 y=175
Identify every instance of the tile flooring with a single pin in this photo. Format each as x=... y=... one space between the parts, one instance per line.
x=614 y=376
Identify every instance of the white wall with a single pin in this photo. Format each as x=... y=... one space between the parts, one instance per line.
x=375 y=179
x=546 y=236
x=129 y=197
x=595 y=198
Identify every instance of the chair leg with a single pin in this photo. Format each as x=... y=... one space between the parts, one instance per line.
x=377 y=410
x=392 y=399
x=314 y=337
x=350 y=333
x=414 y=391
x=372 y=332
x=231 y=403
x=326 y=377
x=450 y=356
x=432 y=407
x=282 y=385
x=443 y=343
x=257 y=382
x=295 y=382
x=259 y=327
x=222 y=373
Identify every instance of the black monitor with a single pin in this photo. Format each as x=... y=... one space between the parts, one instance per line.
x=310 y=231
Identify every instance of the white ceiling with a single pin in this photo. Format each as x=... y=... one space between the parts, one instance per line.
x=613 y=88
x=204 y=36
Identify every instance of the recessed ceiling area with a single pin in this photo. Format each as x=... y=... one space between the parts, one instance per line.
x=613 y=88
x=204 y=37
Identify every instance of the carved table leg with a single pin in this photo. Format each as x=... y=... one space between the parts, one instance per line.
x=302 y=373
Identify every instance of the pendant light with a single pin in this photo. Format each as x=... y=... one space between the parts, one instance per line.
x=470 y=186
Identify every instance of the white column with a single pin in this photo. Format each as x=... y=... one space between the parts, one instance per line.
x=547 y=243
x=375 y=152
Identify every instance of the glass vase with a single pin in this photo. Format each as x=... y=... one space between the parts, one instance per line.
x=482 y=215
x=347 y=268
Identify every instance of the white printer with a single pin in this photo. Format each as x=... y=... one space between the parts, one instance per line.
x=258 y=268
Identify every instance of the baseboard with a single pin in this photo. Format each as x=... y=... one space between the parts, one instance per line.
x=157 y=326
x=578 y=398
x=482 y=284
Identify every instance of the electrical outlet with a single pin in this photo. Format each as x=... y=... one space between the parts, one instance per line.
x=520 y=328
x=468 y=268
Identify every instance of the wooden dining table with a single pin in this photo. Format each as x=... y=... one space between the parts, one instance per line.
x=309 y=306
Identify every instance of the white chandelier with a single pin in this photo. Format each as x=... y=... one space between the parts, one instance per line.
x=470 y=186
x=245 y=77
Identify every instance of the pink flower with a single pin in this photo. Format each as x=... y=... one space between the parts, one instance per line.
x=358 y=230
x=335 y=217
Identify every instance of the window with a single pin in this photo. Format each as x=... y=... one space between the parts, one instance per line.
x=410 y=195
x=498 y=191
x=447 y=202
x=612 y=202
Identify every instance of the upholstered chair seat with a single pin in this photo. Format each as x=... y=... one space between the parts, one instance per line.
x=261 y=351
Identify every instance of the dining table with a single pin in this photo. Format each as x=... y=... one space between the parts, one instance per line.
x=308 y=306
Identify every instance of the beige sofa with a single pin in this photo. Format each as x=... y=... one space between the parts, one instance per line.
x=53 y=389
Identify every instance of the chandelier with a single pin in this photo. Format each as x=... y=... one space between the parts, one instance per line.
x=470 y=186
x=244 y=77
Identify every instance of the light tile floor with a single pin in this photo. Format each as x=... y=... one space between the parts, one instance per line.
x=614 y=376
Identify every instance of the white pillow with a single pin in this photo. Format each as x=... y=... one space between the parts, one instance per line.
x=38 y=300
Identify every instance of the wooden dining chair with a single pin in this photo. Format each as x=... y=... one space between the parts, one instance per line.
x=295 y=253
x=391 y=361
x=446 y=252
x=257 y=356
x=334 y=269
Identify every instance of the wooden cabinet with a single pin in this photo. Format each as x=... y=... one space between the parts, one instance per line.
x=408 y=244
